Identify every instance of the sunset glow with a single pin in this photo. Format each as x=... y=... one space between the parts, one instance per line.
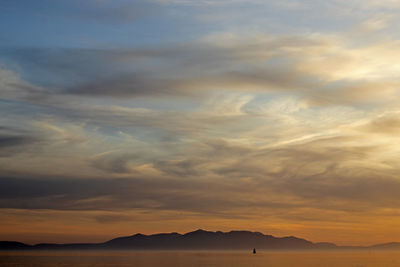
x=120 y=117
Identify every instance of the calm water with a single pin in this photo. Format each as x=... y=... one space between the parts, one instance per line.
x=197 y=259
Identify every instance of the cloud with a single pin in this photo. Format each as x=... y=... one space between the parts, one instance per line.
x=281 y=117
x=116 y=163
x=324 y=70
x=106 y=194
x=386 y=124
x=131 y=85
x=13 y=87
x=328 y=173
x=13 y=140
x=10 y=140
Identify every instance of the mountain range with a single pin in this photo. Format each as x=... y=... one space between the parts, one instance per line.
x=196 y=240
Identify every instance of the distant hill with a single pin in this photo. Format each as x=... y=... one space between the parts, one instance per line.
x=196 y=240
x=201 y=239
x=392 y=245
x=12 y=245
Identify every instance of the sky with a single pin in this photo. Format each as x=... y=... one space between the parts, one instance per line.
x=120 y=117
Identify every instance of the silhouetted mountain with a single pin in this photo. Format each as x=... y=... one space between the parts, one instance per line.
x=201 y=239
x=12 y=245
x=196 y=240
x=77 y=246
x=392 y=245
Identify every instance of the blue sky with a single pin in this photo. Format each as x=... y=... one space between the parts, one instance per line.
x=99 y=24
x=107 y=24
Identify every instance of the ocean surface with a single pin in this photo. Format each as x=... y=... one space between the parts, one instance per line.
x=200 y=259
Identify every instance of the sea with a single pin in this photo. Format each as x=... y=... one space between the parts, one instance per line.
x=200 y=259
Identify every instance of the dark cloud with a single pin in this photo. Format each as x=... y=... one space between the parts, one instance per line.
x=107 y=194
x=13 y=141
x=130 y=85
x=115 y=164
x=272 y=65
x=181 y=168
x=185 y=69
